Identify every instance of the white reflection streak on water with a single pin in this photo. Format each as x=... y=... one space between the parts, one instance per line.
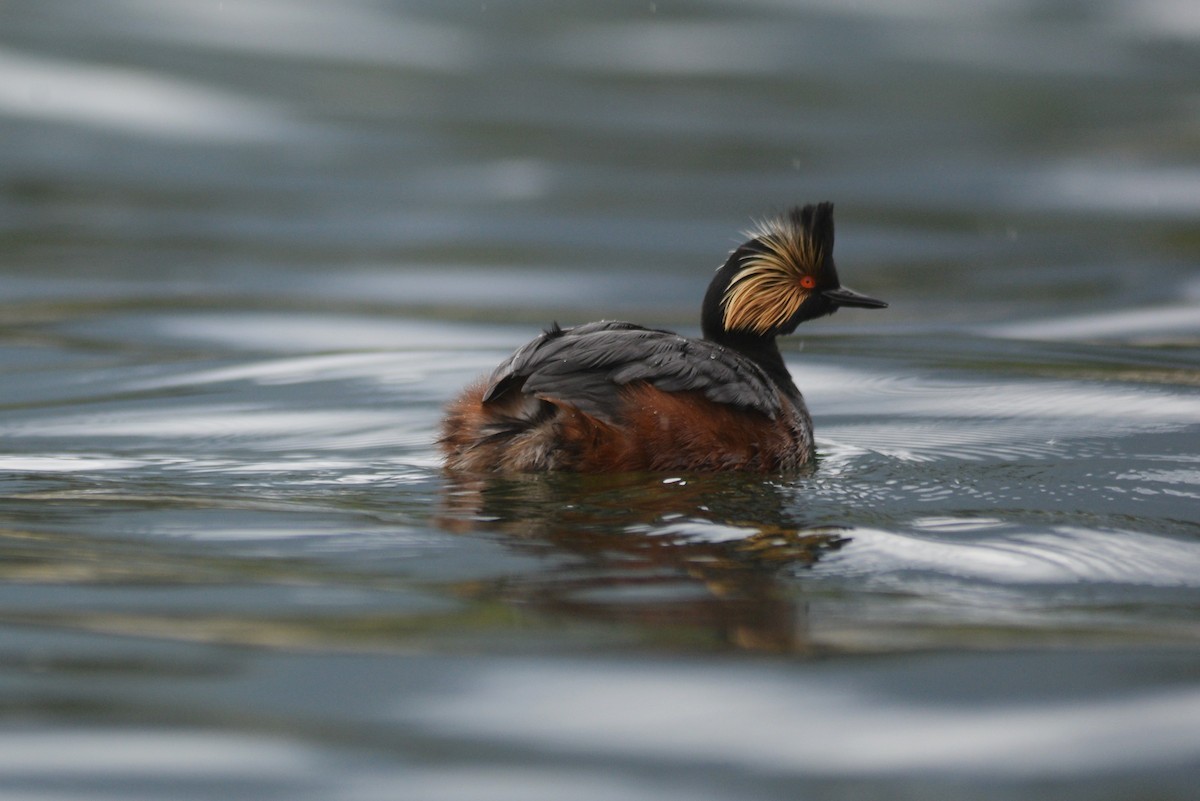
x=855 y=392
x=1095 y=187
x=1065 y=555
x=683 y=48
x=456 y=783
x=796 y=724
x=1174 y=19
x=931 y=420
x=66 y=463
x=206 y=422
x=167 y=754
x=132 y=101
x=299 y=370
x=1160 y=321
x=287 y=769
x=358 y=32
x=324 y=332
x=384 y=369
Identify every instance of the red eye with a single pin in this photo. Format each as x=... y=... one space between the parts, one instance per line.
x=808 y=282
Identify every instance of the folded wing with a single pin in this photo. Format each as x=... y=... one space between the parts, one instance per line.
x=588 y=366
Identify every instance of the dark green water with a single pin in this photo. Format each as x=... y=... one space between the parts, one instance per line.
x=249 y=249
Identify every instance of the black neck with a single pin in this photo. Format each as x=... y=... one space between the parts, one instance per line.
x=760 y=348
x=763 y=351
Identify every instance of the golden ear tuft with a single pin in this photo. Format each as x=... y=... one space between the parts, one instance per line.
x=779 y=269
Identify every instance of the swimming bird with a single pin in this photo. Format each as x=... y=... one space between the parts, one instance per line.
x=614 y=396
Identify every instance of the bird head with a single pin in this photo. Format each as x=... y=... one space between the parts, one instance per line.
x=781 y=276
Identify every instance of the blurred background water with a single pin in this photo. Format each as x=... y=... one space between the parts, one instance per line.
x=248 y=249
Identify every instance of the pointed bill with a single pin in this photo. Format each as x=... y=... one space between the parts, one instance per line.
x=843 y=296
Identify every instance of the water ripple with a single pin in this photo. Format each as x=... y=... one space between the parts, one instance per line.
x=914 y=418
x=358 y=33
x=1154 y=324
x=133 y=101
x=793 y=723
x=1098 y=403
x=1062 y=555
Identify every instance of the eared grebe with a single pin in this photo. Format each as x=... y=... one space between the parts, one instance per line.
x=613 y=396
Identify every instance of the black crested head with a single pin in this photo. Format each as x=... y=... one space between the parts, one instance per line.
x=781 y=276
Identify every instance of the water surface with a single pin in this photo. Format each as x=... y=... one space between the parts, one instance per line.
x=248 y=250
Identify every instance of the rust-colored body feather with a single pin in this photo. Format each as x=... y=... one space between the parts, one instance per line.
x=656 y=431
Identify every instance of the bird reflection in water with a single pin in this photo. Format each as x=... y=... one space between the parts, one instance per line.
x=703 y=561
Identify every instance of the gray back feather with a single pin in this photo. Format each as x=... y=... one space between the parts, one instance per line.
x=587 y=367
